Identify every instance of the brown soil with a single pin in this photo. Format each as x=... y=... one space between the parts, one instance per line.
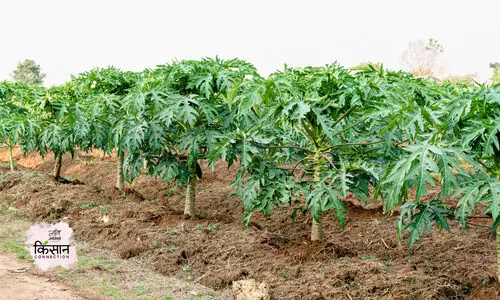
x=362 y=261
x=22 y=281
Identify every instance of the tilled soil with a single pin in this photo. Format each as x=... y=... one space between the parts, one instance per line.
x=361 y=261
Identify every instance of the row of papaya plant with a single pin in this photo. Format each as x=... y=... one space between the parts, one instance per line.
x=305 y=137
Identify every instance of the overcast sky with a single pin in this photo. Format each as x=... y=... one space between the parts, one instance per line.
x=68 y=37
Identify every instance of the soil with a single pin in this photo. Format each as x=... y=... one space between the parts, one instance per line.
x=145 y=222
x=22 y=281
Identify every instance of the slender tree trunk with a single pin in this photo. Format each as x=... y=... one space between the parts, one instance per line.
x=497 y=175
x=317 y=226
x=11 y=160
x=145 y=166
x=496 y=161
x=120 y=180
x=317 y=231
x=57 y=166
x=498 y=253
x=190 y=205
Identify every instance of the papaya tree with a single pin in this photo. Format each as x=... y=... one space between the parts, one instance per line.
x=322 y=136
x=12 y=113
x=17 y=106
x=461 y=156
x=102 y=119
x=53 y=116
x=302 y=146
x=176 y=115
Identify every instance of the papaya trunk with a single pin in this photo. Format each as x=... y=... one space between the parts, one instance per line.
x=496 y=167
x=496 y=160
x=11 y=159
x=57 y=166
x=120 y=180
x=498 y=253
x=190 y=205
x=317 y=225
x=317 y=231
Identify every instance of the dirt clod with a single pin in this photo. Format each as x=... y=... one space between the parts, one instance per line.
x=131 y=250
x=249 y=290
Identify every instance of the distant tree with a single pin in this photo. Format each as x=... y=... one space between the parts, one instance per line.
x=422 y=58
x=496 y=72
x=466 y=78
x=28 y=72
x=365 y=64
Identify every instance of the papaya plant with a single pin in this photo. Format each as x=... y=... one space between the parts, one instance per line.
x=102 y=120
x=53 y=116
x=324 y=134
x=178 y=112
x=460 y=157
x=13 y=98
x=303 y=145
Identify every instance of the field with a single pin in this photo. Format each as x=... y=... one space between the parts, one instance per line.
x=312 y=182
x=147 y=226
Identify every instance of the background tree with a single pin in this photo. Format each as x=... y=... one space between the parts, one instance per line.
x=496 y=72
x=366 y=64
x=422 y=58
x=466 y=78
x=28 y=72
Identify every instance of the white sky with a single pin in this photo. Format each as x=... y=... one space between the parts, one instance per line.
x=68 y=37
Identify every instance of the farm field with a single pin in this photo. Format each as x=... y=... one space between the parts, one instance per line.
x=313 y=182
x=146 y=224
x=258 y=150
